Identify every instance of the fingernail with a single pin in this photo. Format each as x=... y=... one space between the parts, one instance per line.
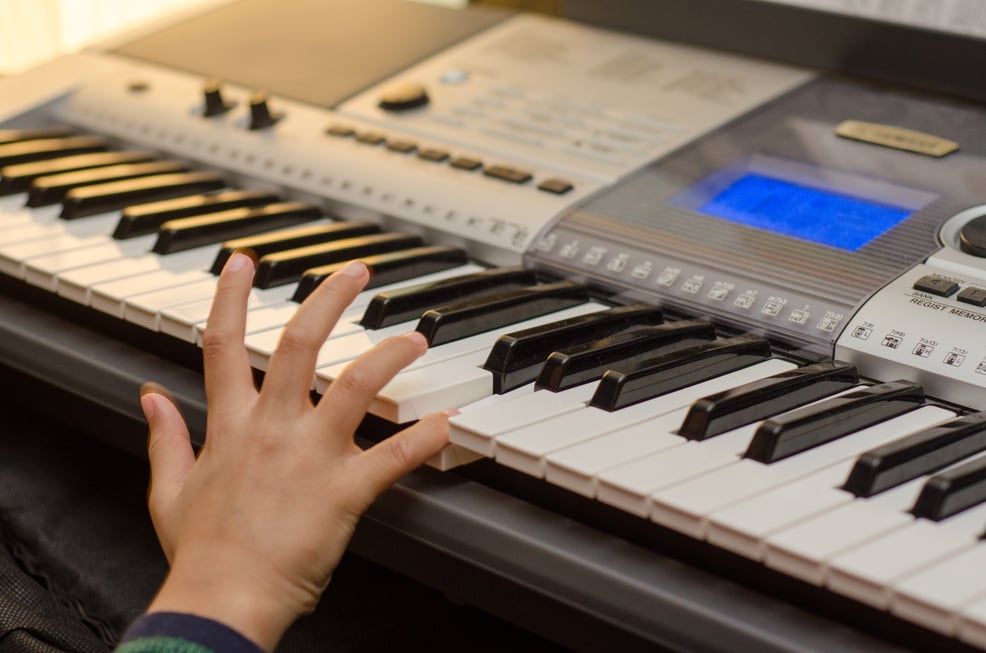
x=237 y=261
x=147 y=405
x=452 y=412
x=417 y=338
x=354 y=269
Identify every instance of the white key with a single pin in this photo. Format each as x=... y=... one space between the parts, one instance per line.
x=480 y=342
x=451 y=457
x=972 y=624
x=577 y=467
x=265 y=318
x=53 y=238
x=24 y=224
x=412 y=395
x=110 y=297
x=260 y=345
x=48 y=225
x=13 y=205
x=935 y=596
x=686 y=506
x=448 y=384
x=526 y=448
x=76 y=284
x=628 y=486
x=868 y=571
x=43 y=271
x=742 y=527
x=804 y=550
x=145 y=308
x=479 y=423
x=180 y=321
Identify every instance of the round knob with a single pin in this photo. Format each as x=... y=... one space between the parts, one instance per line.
x=972 y=236
x=214 y=104
x=261 y=116
x=401 y=97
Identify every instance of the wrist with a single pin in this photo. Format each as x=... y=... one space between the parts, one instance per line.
x=236 y=595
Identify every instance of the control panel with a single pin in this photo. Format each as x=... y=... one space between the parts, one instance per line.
x=929 y=324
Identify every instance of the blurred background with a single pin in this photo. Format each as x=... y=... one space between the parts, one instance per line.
x=34 y=30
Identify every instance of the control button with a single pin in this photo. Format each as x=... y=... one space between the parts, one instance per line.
x=455 y=76
x=466 y=163
x=261 y=116
x=936 y=286
x=433 y=155
x=370 y=138
x=340 y=131
x=972 y=236
x=402 y=146
x=214 y=104
x=404 y=96
x=974 y=296
x=556 y=186
x=508 y=174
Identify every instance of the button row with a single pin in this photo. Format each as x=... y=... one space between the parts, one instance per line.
x=438 y=155
x=942 y=287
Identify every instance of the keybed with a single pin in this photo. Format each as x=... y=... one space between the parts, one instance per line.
x=602 y=400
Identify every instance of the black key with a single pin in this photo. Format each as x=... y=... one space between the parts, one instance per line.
x=147 y=218
x=574 y=366
x=288 y=266
x=409 y=303
x=277 y=241
x=812 y=426
x=469 y=318
x=952 y=491
x=90 y=200
x=21 y=135
x=52 y=189
x=666 y=373
x=18 y=178
x=759 y=400
x=389 y=268
x=916 y=455
x=516 y=358
x=187 y=233
x=48 y=148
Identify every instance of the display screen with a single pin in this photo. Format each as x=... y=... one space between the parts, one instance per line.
x=799 y=211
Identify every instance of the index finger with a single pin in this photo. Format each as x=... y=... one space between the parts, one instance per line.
x=228 y=378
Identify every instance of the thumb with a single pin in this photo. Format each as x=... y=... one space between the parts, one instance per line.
x=387 y=461
x=169 y=449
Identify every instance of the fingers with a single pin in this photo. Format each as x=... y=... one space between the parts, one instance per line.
x=169 y=450
x=348 y=397
x=387 y=461
x=228 y=378
x=292 y=366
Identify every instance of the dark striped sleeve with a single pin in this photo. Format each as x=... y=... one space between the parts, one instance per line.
x=173 y=632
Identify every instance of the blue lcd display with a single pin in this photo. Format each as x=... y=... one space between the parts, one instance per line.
x=790 y=209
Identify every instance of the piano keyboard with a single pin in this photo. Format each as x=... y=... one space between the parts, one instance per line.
x=868 y=489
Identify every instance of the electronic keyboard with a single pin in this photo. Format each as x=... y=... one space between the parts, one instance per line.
x=710 y=321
